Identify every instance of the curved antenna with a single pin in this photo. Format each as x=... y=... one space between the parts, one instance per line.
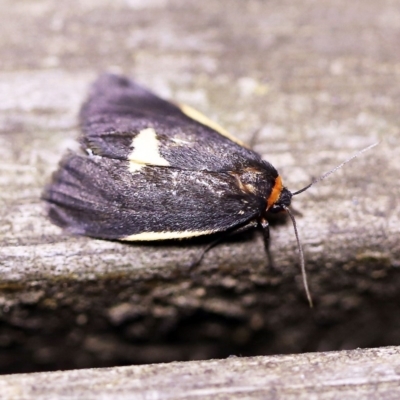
x=302 y=262
x=322 y=177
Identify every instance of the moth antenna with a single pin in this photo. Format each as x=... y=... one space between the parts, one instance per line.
x=322 y=177
x=302 y=262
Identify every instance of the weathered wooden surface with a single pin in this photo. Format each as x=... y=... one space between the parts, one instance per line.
x=321 y=81
x=357 y=374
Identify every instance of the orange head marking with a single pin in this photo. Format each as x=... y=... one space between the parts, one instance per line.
x=275 y=192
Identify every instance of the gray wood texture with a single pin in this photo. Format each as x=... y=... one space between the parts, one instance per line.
x=357 y=374
x=320 y=80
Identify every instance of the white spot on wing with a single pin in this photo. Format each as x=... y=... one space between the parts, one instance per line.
x=134 y=167
x=180 y=141
x=145 y=151
x=92 y=155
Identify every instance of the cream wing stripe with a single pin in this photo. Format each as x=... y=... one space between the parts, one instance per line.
x=166 y=235
x=199 y=117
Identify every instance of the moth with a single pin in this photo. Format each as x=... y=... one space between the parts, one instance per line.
x=153 y=170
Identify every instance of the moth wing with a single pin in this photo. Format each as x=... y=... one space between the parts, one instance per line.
x=100 y=197
x=122 y=120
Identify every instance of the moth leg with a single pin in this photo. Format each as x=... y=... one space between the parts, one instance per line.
x=264 y=226
x=203 y=252
x=223 y=236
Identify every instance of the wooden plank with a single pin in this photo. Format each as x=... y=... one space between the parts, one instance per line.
x=318 y=92
x=356 y=374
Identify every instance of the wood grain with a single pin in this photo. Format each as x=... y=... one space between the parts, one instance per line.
x=319 y=82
